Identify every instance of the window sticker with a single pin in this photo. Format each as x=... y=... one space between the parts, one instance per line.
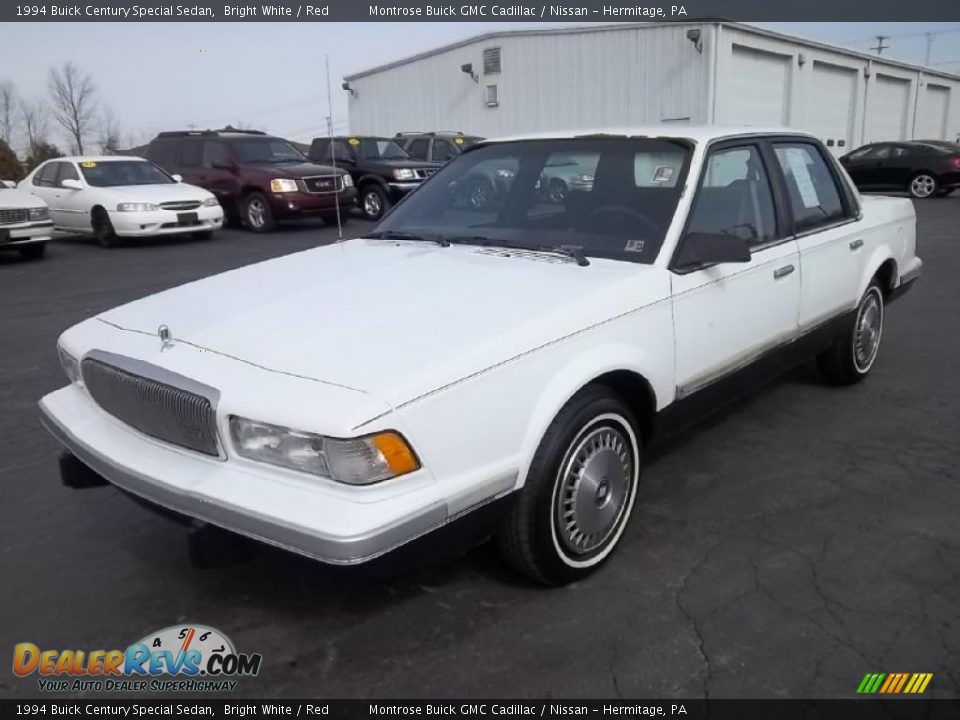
x=458 y=140
x=662 y=174
x=88 y=164
x=353 y=141
x=797 y=162
x=634 y=246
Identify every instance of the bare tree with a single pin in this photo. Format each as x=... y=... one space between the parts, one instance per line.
x=8 y=110
x=72 y=99
x=109 y=132
x=36 y=123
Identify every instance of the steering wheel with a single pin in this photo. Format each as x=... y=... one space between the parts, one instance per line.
x=624 y=210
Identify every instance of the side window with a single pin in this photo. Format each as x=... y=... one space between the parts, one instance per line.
x=47 y=177
x=341 y=152
x=735 y=197
x=812 y=190
x=189 y=154
x=863 y=153
x=215 y=153
x=443 y=151
x=67 y=172
x=417 y=149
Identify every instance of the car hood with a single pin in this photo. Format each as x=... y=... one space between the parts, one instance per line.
x=397 y=319
x=18 y=199
x=297 y=170
x=167 y=192
x=390 y=164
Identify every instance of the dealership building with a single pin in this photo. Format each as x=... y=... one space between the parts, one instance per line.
x=636 y=74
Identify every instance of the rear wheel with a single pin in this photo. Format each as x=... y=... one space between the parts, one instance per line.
x=257 y=213
x=373 y=202
x=579 y=492
x=33 y=252
x=852 y=355
x=481 y=194
x=923 y=185
x=103 y=228
x=557 y=191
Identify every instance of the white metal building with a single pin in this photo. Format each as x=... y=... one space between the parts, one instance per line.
x=635 y=74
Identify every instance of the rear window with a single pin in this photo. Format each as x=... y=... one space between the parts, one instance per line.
x=811 y=188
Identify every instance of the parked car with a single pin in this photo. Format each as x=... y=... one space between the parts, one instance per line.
x=258 y=179
x=922 y=168
x=563 y=174
x=118 y=197
x=499 y=369
x=381 y=169
x=439 y=146
x=25 y=224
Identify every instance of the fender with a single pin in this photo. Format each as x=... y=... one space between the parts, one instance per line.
x=581 y=371
x=878 y=256
x=371 y=179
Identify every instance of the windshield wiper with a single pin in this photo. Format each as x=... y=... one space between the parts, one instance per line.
x=397 y=235
x=566 y=251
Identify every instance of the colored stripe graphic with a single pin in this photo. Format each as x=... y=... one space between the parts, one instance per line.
x=894 y=683
x=927 y=677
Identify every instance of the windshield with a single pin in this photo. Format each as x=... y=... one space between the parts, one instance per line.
x=381 y=148
x=615 y=197
x=114 y=173
x=265 y=150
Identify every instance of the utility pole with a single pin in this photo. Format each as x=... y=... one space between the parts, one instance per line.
x=930 y=37
x=880 y=46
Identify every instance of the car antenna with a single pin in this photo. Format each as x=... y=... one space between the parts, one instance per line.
x=333 y=155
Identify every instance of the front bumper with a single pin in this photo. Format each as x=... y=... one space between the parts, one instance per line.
x=165 y=222
x=27 y=233
x=399 y=190
x=293 y=204
x=296 y=516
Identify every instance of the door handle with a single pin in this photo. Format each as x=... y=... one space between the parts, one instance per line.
x=856 y=244
x=782 y=272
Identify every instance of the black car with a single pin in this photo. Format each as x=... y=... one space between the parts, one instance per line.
x=922 y=168
x=439 y=146
x=382 y=171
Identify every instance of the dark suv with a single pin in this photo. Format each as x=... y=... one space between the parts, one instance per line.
x=381 y=169
x=258 y=179
x=439 y=146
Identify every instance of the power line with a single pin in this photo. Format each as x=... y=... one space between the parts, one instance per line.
x=880 y=46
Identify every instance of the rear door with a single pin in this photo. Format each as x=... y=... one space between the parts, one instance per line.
x=73 y=206
x=189 y=160
x=217 y=173
x=419 y=148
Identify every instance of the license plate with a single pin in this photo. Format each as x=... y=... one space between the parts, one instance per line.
x=187 y=219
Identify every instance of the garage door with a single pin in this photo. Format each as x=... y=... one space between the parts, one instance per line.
x=833 y=96
x=757 y=88
x=887 y=101
x=932 y=114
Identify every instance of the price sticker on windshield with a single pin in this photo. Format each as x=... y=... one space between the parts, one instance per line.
x=662 y=174
x=88 y=164
x=458 y=140
x=353 y=141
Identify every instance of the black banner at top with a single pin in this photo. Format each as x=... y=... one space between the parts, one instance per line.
x=576 y=11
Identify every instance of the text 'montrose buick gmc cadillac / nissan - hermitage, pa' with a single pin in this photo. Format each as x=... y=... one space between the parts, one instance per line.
x=516 y=357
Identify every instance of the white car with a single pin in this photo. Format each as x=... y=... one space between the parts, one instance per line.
x=511 y=362
x=122 y=197
x=25 y=223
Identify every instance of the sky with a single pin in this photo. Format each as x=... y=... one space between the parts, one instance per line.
x=163 y=76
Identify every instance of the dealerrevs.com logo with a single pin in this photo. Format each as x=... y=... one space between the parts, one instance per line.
x=180 y=658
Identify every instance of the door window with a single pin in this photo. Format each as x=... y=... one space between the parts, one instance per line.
x=190 y=154
x=735 y=197
x=443 y=151
x=47 y=177
x=812 y=190
x=66 y=171
x=214 y=154
x=417 y=149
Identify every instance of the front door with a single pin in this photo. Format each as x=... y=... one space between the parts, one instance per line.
x=727 y=315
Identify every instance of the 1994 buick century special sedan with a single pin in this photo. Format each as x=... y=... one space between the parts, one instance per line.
x=517 y=355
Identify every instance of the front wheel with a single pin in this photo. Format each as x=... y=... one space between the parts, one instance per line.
x=923 y=185
x=853 y=354
x=374 y=202
x=579 y=492
x=257 y=213
x=103 y=228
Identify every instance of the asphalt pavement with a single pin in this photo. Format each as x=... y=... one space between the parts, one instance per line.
x=802 y=538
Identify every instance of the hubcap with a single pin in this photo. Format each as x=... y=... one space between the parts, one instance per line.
x=480 y=195
x=868 y=331
x=557 y=192
x=593 y=490
x=255 y=213
x=922 y=185
x=371 y=204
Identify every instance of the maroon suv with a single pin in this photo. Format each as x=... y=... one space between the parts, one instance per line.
x=258 y=179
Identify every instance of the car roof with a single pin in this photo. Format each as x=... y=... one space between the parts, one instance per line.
x=697 y=133
x=99 y=158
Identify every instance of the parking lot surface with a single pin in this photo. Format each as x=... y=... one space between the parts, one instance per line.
x=784 y=548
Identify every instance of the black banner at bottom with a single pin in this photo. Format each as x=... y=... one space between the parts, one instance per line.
x=900 y=709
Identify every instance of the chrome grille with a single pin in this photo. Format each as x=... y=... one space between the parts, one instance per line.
x=424 y=173
x=8 y=217
x=154 y=408
x=181 y=205
x=323 y=184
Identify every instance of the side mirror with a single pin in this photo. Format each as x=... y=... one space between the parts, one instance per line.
x=178 y=178
x=698 y=248
x=71 y=184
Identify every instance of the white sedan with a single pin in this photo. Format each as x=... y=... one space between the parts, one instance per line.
x=509 y=364
x=118 y=197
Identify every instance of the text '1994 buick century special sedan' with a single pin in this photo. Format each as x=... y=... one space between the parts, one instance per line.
x=515 y=357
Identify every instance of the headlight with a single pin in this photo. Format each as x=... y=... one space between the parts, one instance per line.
x=68 y=362
x=584 y=179
x=137 y=207
x=211 y=202
x=356 y=461
x=404 y=174
x=40 y=213
x=347 y=180
x=505 y=173
x=281 y=185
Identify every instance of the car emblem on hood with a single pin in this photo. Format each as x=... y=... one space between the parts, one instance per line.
x=166 y=339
